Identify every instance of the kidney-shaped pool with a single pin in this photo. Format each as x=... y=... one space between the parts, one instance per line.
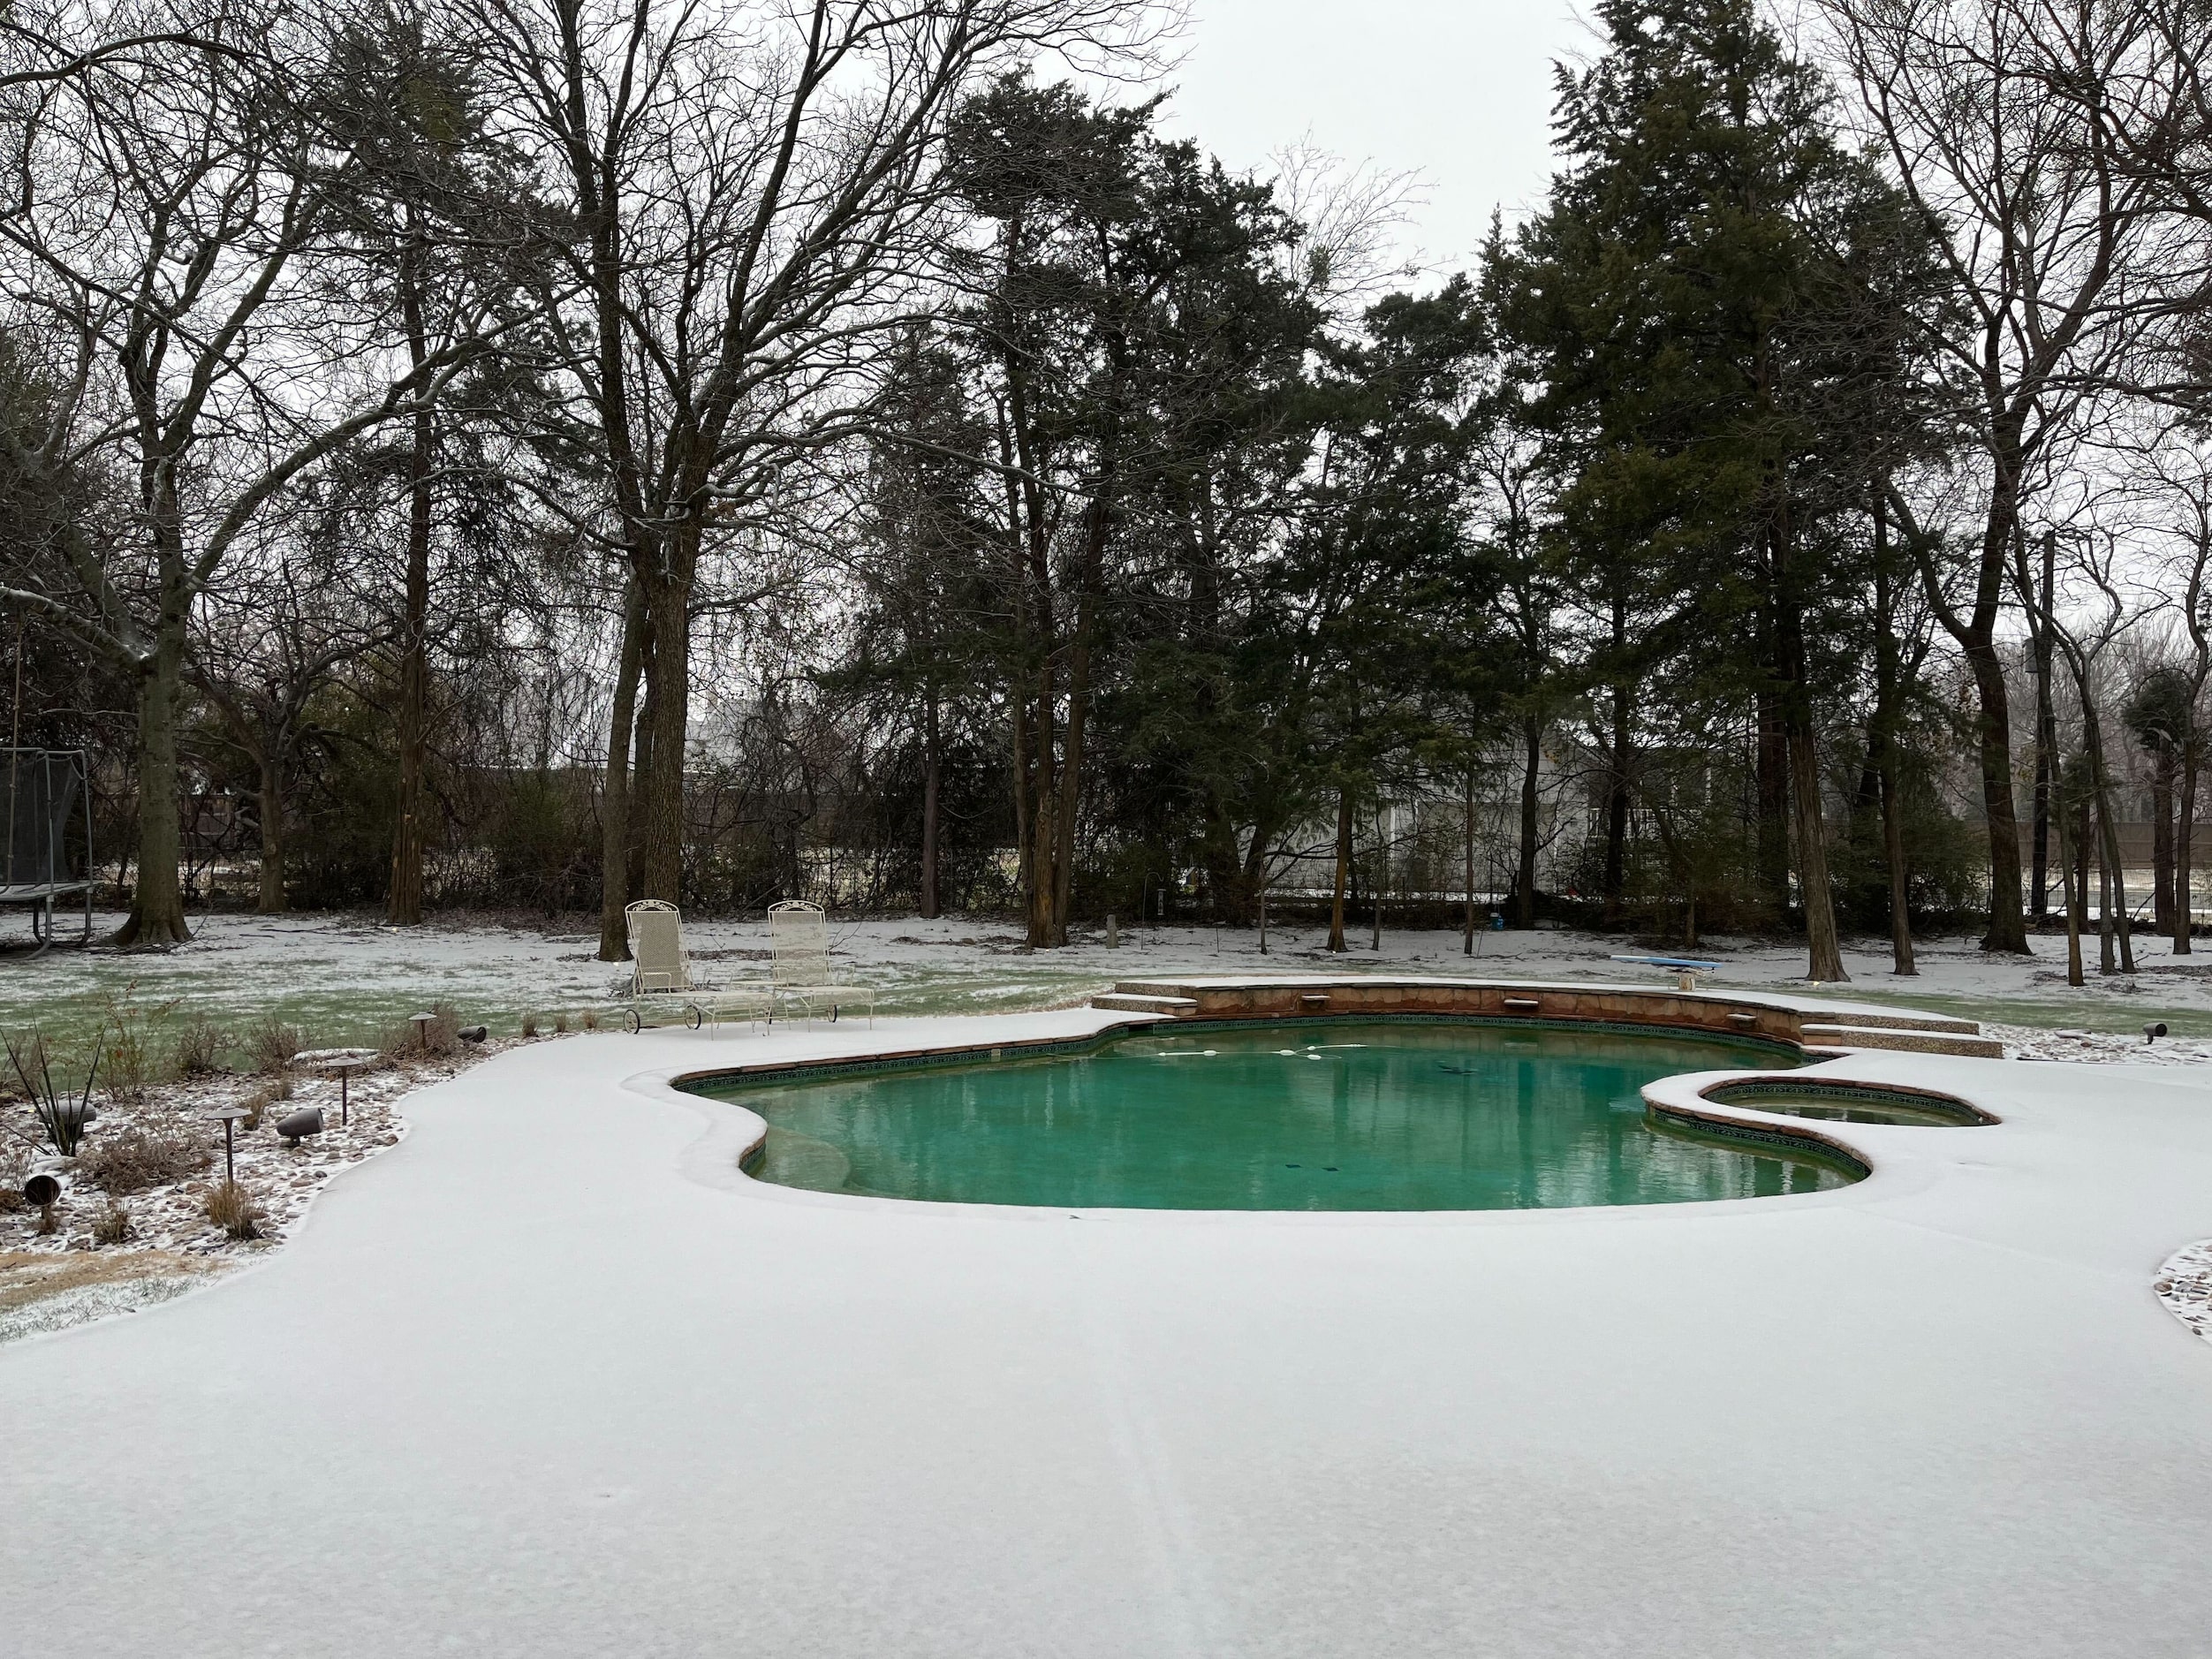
x=1292 y=1116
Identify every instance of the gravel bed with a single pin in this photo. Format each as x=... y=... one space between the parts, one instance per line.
x=50 y=1281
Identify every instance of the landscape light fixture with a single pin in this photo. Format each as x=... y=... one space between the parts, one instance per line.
x=228 y=1115
x=297 y=1126
x=44 y=1190
x=2154 y=1030
x=423 y=1030
x=344 y=1061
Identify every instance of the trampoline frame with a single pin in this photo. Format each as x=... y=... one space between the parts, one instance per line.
x=41 y=895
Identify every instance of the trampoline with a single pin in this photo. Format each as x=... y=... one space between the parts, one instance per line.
x=43 y=790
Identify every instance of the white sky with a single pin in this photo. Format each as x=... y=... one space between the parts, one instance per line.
x=1459 y=93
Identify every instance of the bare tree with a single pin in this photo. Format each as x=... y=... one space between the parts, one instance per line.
x=271 y=641
x=159 y=252
x=1996 y=119
x=747 y=200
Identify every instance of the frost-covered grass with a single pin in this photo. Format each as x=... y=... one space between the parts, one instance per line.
x=349 y=979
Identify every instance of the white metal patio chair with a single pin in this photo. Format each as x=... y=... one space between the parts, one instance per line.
x=799 y=970
x=661 y=974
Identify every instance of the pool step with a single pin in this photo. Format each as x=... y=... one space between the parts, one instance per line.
x=1862 y=1020
x=1912 y=1041
x=1131 y=1002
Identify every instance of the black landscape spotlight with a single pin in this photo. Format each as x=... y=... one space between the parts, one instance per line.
x=297 y=1126
x=2153 y=1030
x=44 y=1190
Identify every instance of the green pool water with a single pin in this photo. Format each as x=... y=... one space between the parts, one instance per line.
x=1305 y=1115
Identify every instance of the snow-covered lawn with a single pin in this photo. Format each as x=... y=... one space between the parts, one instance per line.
x=348 y=979
x=551 y=1377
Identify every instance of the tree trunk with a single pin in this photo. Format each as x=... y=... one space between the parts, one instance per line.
x=2115 y=882
x=158 y=901
x=931 y=767
x=403 y=902
x=2184 y=851
x=2162 y=839
x=2072 y=881
x=1826 y=955
x=1900 y=876
x=2046 y=727
x=1381 y=870
x=1882 y=747
x=1343 y=871
x=2104 y=895
x=1525 y=870
x=272 y=897
x=614 y=793
x=660 y=804
x=1772 y=766
x=1616 y=814
x=1466 y=941
x=2008 y=922
x=2117 y=889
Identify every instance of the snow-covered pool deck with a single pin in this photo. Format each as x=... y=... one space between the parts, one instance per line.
x=551 y=1378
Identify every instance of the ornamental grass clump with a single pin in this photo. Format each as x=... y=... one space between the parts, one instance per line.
x=61 y=1115
x=272 y=1044
x=234 y=1209
x=128 y=1048
x=269 y=1094
x=153 y=1152
x=199 y=1049
x=113 y=1225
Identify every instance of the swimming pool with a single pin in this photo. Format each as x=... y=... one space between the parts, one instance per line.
x=1326 y=1115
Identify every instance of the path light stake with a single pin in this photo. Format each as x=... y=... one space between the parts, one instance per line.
x=229 y=1115
x=344 y=1061
x=423 y=1030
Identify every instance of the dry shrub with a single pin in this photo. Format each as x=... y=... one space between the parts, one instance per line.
x=15 y=1168
x=529 y=1025
x=589 y=1020
x=560 y=1024
x=231 y=1208
x=257 y=1103
x=135 y=1156
x=113 y=1225
x=272 y=1044
x=405 y=1040
x=128 y=1060
x=199 y=1048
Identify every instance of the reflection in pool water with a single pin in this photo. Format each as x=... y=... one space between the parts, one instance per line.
x=1297 y=1116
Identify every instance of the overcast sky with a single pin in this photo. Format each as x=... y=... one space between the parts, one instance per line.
x=1459 y=93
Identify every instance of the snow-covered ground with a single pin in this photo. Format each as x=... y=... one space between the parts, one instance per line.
x=348 y=979
x=551 y=1377
x=117 y=1246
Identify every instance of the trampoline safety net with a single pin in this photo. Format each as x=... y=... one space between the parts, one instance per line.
x=41 y=789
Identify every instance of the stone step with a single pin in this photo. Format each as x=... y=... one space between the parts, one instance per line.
x=1129 y=1002
x=1865 y=1019
x=1922 y=1041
